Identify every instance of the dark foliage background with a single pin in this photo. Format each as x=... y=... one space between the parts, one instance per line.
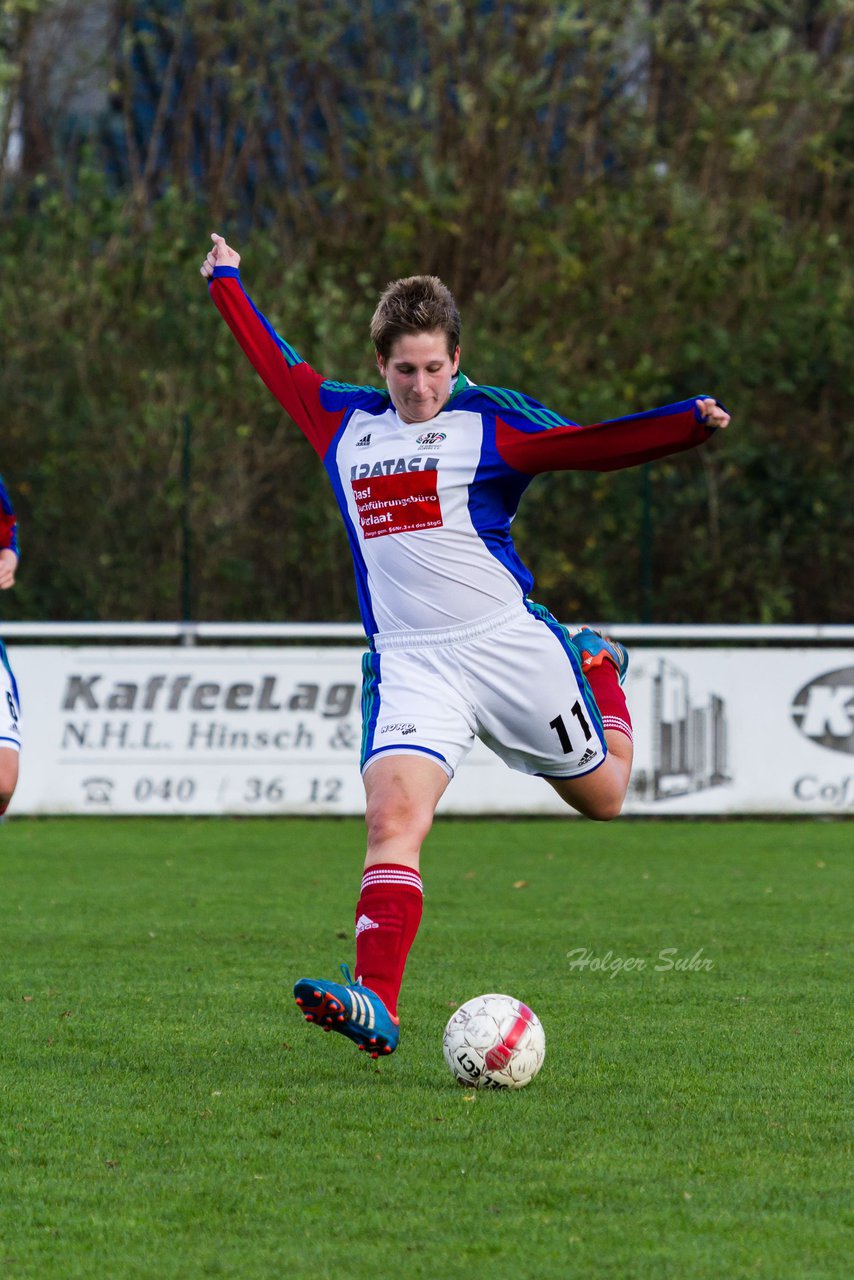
x=633 y=202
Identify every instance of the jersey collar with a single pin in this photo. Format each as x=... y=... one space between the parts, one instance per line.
x=461 y=383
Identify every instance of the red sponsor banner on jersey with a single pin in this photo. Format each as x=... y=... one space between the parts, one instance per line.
x=397 y=504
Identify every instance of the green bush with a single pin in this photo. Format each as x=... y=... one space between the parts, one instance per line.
x=633 y=204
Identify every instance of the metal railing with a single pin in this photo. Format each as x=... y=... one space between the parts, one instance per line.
x=195 y=632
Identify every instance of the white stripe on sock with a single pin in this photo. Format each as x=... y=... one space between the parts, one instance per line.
x=614 y=722
x=392 y=875
x=410 y=879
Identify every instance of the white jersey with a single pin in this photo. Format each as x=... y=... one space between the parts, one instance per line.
x=406 y=490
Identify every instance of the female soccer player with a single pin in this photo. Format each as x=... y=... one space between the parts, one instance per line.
x=428 y=474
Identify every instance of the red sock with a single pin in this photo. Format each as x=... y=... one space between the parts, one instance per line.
x=388 y=914
x=610 y=699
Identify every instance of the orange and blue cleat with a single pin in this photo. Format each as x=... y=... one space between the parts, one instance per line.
x=594 y=649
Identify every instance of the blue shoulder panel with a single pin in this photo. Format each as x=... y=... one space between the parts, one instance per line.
x=335 y=396
x=527 y=414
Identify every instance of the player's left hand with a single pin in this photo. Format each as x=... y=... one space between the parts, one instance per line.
x=712 y=413
x=8 y=565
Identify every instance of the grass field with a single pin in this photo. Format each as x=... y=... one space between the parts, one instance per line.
x=165 y=1113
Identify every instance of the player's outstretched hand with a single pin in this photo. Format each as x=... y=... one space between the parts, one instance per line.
x=712 y=414
x=221 y=255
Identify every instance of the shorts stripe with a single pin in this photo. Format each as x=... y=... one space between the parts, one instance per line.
x=371 y=680
x=561 y=633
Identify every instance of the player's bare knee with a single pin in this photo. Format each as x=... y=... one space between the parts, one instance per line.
x=599 y=804
x=391 y=822
x=392 y=817
x=606 y=810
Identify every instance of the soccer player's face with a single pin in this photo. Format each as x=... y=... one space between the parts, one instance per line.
x=419 y=373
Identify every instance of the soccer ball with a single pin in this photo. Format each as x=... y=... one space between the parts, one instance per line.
x=494 y=1042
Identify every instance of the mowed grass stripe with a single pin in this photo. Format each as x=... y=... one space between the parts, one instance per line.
x=165 y=1113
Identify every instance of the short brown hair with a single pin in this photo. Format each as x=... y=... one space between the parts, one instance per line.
x=415 y=304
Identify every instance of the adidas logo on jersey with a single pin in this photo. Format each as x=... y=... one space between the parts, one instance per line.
x=586 y=758
x=364 y=440
x=365 y=922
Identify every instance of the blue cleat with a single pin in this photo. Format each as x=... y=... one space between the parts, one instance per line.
x=594 y=649
x=354 y=1010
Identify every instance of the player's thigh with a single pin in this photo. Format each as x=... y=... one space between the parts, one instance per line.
x=8 y=773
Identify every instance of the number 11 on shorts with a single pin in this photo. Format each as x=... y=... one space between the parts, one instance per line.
x=560 y=728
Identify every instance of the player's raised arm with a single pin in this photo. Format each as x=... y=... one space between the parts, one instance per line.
x=294 y=383
x=611 y=445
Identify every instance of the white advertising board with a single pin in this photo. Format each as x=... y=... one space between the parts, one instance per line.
x=275 y=729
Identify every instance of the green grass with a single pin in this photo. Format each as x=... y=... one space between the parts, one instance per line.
x=165 y=1113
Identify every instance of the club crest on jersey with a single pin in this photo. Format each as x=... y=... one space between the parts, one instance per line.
x=431 y=439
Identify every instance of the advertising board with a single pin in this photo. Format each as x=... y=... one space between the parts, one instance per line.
x=133 y=729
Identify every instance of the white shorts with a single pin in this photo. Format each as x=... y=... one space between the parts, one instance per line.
x=10 y=705
x=513 y=680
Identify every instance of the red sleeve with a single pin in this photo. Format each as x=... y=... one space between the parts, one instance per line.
x=8 y=523
x=8 y=536
x=603 y=446
x=295 y=384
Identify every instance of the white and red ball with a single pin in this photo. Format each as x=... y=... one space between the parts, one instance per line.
x=494 y=1042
